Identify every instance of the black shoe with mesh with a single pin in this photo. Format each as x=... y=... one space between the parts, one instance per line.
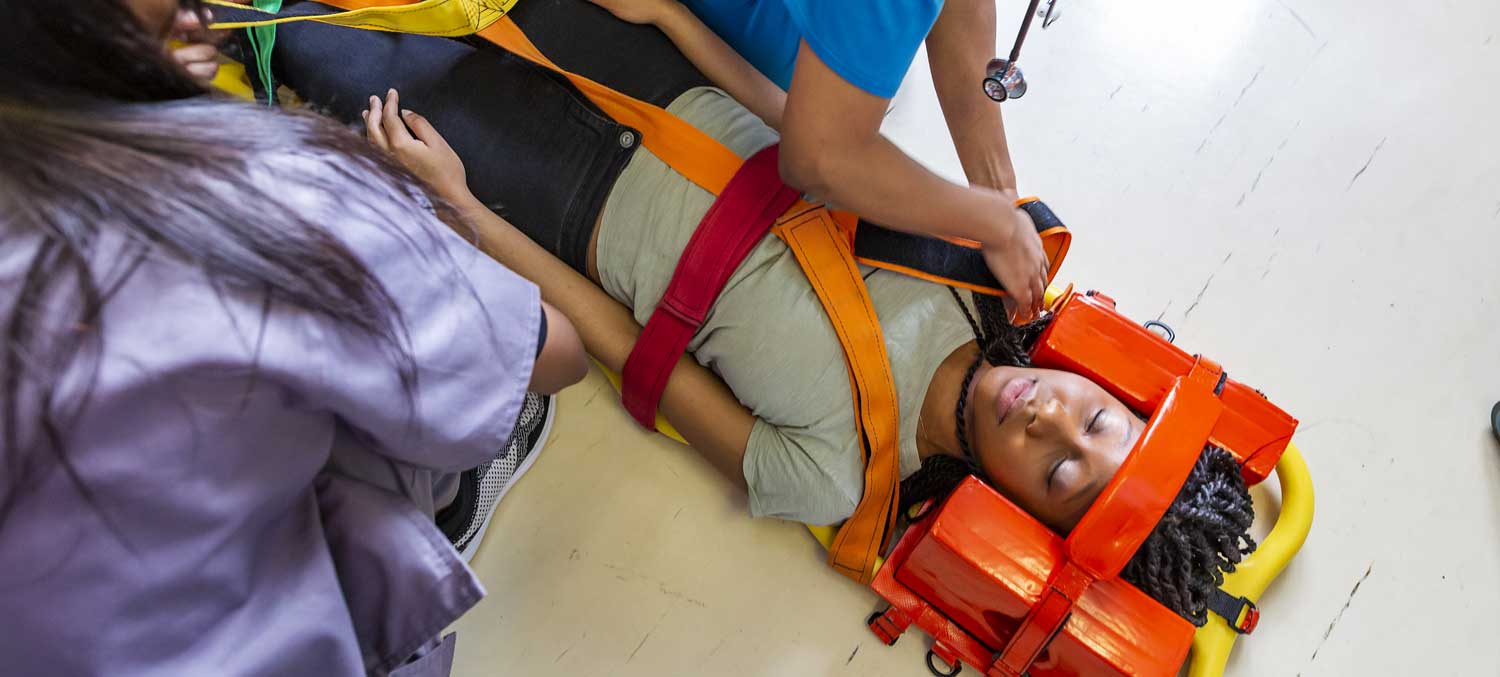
x=465 y=520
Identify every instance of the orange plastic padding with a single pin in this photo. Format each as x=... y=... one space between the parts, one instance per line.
x=969 y=574
x=824 y=255
x=1124 y=514
x=1089 y=337
x=1134 y=500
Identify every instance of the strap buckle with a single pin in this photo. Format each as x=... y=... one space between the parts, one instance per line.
x=1239 y=613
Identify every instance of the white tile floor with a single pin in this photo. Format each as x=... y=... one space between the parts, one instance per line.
x=1308 y=192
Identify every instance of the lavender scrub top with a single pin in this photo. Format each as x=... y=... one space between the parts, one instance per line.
x=261 y=487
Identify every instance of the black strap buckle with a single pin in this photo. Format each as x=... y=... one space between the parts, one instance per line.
x=1232 y=609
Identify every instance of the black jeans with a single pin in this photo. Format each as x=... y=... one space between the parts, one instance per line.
x=536 y=150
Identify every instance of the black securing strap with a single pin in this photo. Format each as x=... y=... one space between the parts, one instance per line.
x=939 y=258
x=1230 y=608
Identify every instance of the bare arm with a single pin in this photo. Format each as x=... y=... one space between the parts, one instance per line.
x=561 y=362
x=696 y=402
x=959 y=46
x=707 y=52
x=832 y=147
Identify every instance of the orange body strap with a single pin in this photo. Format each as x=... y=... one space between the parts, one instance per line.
x=821 y=243
x=824 y=253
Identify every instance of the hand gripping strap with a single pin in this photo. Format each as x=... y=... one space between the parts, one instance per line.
x=736 y=222
x=823 y=252
x=957 y=263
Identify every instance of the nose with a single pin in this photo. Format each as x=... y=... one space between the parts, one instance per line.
x=1048 y=418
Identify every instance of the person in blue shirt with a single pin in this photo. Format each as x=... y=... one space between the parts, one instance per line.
x=823 y=73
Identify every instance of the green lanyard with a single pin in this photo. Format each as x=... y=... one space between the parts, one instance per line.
x=262 y=39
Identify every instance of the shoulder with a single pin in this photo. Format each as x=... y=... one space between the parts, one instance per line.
x=872 y=45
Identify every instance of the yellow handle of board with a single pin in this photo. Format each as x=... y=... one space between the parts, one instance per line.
x=447 y=18
x=1213 y=642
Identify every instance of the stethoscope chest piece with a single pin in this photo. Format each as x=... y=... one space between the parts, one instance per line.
x=1003 y=82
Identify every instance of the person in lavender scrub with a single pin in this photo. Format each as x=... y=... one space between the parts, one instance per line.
x=242 y=354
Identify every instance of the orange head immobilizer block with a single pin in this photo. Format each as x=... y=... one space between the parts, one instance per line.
x=1000 y=591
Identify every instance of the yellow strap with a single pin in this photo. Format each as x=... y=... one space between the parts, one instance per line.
x=447 y=18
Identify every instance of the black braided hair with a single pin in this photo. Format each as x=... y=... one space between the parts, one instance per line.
x=1202 y=536
x=1204 y=533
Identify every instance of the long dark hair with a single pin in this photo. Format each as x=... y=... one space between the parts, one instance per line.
x=101 y=133
x=1202 y=536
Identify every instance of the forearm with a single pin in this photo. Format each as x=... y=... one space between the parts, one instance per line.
x=958 y=49
x=722 y=65
x=878 y=181
x=696 y=402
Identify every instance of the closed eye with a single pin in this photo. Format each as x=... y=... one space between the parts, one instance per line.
x=1052 y=474
x=1093 y=421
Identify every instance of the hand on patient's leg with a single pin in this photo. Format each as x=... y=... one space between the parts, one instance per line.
x=413 y=141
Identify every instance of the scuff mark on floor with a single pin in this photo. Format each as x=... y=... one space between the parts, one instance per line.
x=1247 y=87
x=1366 y=166
x=626 y=575
x=560 y=656
x=648 y=636
x=1117 y=91
x=591 y=397
x=1199 y=298
x=1267 y=270
x=1241 y=201
x=1299 y=19
x=852 y=653
x=1210 y=133
x=1256 y=183
x=1163 y=312
x=1347 y=602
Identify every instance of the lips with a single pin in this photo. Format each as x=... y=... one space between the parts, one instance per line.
x=1016 y=391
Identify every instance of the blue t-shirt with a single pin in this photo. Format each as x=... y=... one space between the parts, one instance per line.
x=869 y=43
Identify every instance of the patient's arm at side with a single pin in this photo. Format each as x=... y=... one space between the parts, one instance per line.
x=696 y=402
x=707 y=52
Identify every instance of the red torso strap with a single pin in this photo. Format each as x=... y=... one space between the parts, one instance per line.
x=743 y=213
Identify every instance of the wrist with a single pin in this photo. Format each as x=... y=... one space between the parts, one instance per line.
x=669 y=15
x=465 y=204
x=1003 y=226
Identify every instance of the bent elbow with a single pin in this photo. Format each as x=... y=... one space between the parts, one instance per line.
x=801 y=169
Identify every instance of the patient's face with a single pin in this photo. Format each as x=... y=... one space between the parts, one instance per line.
x=1049 y=440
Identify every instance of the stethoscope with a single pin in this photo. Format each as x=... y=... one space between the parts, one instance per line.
x=1003 y=80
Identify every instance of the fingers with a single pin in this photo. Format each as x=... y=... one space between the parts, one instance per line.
x=423 y=130
x=390 y=121
x=187 y=25
x=373 y=130
x=203 y=71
